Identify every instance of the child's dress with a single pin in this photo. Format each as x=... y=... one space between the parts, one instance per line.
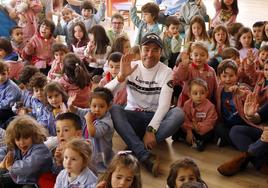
x=39 y=49
x=222 y=17
x=86 y=179
x=27 y=168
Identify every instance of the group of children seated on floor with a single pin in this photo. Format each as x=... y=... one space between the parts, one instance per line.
x=45 y=79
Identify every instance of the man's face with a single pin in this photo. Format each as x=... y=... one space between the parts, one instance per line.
x=117 y=25
x=150 y=55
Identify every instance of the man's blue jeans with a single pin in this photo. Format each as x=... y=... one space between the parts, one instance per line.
x=131 y=126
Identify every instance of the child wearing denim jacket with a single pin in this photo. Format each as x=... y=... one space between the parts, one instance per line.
x=149 y=25
x=26 y=157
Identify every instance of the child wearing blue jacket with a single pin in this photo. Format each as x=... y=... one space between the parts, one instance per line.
x=99 y=126
x=26 y=157
x=9 y=94
x=149 y=23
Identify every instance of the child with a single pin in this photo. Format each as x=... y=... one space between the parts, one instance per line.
x=190 y=9
x=76 y=79
x=197 y=32
x=220 y=40
x=226 y=13
x=88 y=18
x=172 y=41
x=117 y=22
x=262 y=57
x=100 y=127
x=198 y=67
x=97 y=50
x=121 y=44
x=11 y=57
x=245 y=43
x=9 y=93
x=27 y=15
x=126 y=166
x=39 y=47
x=64 y=28
x=261 y=78
x=77 y=154
x=68 y=127
x=257 y=29
x=150 y=13
x=26 y=157
x=59 y=51
x=27 y=72
x=233 y=29
x=265 y=34
x=120 y=97
x=136 y=51
x=200 y=116
x=230 y=102
x=57 y=99
x=34 y=103
x=17 y=43
x=79 y=39
x=183 y=171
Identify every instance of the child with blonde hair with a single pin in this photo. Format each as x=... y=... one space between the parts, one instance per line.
x=76 y=158
x=26 y=157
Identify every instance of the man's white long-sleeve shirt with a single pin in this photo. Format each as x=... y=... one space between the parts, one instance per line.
x=148 y=90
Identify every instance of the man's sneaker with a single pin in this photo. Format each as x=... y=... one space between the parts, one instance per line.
x=151 y=164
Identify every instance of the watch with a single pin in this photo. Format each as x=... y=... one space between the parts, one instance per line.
x=151 y=129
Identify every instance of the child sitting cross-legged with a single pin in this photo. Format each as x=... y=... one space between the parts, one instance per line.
x=200 y=116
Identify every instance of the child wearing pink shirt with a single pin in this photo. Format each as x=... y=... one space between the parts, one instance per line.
x=27 y=13
x=200 y=116
x=38 y=49
x=197 y=67
x=76 y=80
x=120 y=97
x=59 y=51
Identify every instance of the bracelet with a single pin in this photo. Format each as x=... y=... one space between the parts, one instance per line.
x=151 y=129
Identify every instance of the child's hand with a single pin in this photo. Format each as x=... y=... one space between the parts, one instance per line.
x=101 y=184
x=71 y=99
x=134 y=2
x=167 y=34
x=89 y=117
x=251 y=105
x=234 y=88
x=3 y=164
x=250 y=57
x=264 y=136
x=63 y=108
x=9 y=160
x=185 y=59
x=189 y=137
x=58 y=156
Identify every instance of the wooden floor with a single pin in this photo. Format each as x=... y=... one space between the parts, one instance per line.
x=208 y=162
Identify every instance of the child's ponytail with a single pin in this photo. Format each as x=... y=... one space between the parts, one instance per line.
x=75 y=70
